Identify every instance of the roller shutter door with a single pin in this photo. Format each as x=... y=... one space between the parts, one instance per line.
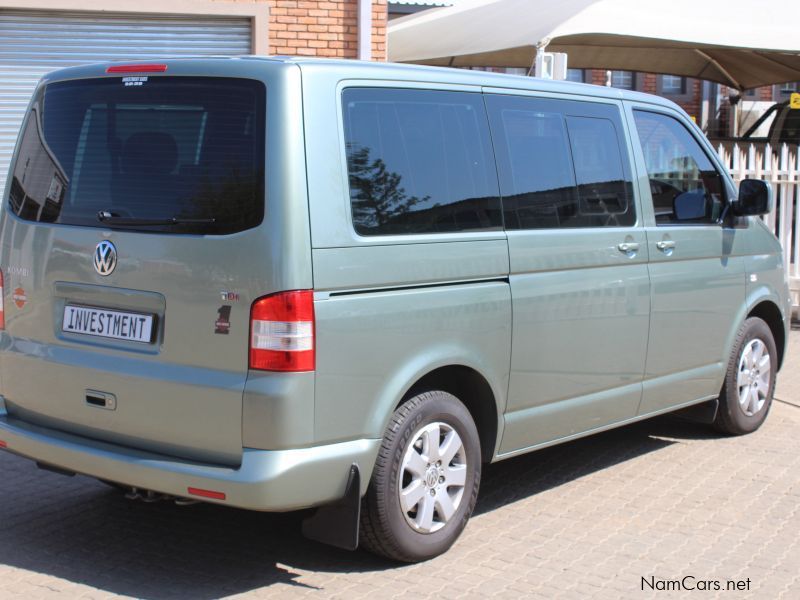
x=33 y=43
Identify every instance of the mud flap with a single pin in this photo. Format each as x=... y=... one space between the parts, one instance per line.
x=336 y=524
x=704 y=413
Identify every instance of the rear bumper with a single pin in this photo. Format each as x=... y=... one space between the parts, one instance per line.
x=269 y=480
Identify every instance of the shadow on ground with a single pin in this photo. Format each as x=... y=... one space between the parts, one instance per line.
x=81 y=531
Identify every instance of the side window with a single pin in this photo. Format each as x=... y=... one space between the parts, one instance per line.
x=603 y=189
x=562 y=164
x=419 y=161
x=685 y=186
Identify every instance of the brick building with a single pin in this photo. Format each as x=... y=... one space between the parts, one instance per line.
x=324 y=28
x=709 y=104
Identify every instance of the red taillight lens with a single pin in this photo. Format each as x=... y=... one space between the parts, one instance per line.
x=136 y=69
x=282 y=332
x=2 y=303
x=3 y=444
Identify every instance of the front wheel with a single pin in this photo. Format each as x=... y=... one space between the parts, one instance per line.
x=746 y=394
x=425 y=482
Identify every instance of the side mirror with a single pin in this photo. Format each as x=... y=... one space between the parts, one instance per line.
x=755 y=198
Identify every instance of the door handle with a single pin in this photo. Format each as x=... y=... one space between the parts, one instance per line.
x=628 y=247
x=665 y=245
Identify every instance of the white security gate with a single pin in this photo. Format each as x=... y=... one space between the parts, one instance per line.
x=33 y=43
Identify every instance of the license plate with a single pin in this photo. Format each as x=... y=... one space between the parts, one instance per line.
x=106 y=323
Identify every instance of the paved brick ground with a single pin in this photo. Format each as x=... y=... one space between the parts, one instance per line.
x=662 y=499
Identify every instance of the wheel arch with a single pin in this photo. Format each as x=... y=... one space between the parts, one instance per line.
x=768 y=311
x=471 y=388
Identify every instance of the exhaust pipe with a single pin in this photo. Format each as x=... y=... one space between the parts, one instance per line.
x=150 y=497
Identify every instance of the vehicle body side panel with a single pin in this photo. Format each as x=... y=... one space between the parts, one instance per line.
x=391 y=309
x=373 y=346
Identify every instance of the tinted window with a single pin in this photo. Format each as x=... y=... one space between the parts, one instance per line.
x=561 y=163
x=685 y=186
x=186 y=148
x=419 y=161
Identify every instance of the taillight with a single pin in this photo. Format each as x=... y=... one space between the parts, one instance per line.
x=2 y=305
x=136 y=69
x=282 y=332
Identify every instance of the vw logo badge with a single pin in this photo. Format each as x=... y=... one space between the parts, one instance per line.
x=105 y=258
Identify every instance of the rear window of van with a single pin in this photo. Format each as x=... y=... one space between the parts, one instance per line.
x=160 y=154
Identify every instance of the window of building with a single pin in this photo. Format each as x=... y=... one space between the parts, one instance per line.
x=561 y=164
x=576 y=75
x=673 y=85
x=787 y=89
x=682 y=177
x=419 y=161
x=624 y=80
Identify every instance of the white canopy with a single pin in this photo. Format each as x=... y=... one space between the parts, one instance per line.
x=741 y=43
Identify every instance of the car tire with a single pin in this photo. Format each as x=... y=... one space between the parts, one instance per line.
x=749 y=383
x=421 y=495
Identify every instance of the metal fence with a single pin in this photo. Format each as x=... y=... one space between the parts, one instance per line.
x=781 y=167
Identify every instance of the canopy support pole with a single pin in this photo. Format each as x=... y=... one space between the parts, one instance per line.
x=731 y=78
x=540 y=47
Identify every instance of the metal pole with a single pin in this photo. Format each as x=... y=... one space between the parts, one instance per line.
x=364 y=29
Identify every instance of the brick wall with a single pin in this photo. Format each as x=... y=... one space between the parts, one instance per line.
x=692 y=106
x=648 y=83
x=323 y=28
x=597 y=77
x=765 y=93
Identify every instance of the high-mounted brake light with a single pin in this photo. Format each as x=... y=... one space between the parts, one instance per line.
x=2 y=304
x=136 y=69
x=282 y=332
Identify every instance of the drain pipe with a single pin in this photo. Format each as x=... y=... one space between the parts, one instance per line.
x=364 y=29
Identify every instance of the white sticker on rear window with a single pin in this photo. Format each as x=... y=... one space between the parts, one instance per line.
x=134 y=81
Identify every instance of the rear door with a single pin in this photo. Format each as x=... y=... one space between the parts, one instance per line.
x=134 y=216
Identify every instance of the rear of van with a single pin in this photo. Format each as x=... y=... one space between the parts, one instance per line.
x=157 y=316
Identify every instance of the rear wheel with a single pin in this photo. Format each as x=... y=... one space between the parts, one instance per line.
x=746 y=394
x=425 y=482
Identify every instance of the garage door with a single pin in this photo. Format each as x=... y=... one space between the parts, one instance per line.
x=34 y=43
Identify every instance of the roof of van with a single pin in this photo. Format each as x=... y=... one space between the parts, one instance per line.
x=397 y=71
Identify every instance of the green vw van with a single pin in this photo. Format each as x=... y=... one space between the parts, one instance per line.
x=281 y=284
